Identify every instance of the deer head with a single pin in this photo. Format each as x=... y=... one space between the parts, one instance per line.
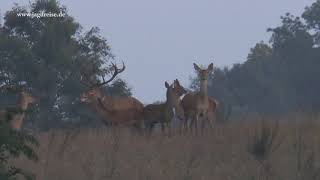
x=174 y=92
x=91 y=96
x=203 y=73
x=95 y=92
x=180 y=90
x=28 y=98
x=25 y=98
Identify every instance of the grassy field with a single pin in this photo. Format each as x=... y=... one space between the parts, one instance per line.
x=254 y=149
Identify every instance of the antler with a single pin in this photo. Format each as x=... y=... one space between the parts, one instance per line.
x=115 y=73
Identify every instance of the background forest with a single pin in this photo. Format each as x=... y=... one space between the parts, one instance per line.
x=56 y=59
x=278 y=77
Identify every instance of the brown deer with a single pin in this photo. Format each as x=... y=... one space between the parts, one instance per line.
x=213 y=105
x=164 y=112
x=16 y=118
x=115 y=111
x=197 y=104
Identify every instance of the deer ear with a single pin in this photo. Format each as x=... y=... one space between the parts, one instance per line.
x=166 y=84
x=196 y=67
x=210 y=67
x=177 y=82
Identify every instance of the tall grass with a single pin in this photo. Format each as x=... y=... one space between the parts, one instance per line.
x=249 y=149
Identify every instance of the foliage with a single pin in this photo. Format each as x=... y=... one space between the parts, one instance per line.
x=57 y=60
x=118 y=88
x=15 y=144
x=311 y=16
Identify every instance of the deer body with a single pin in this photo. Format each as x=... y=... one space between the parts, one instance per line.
x=213 y=105
x=122 y=110
x=119 y=111
x=157 y=113
x=163 y=113
x=197 y=105
x=17 y=118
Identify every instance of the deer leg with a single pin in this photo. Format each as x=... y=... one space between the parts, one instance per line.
x=150 y=128
x=184 y=123
x=203 y=121
x=162 y=127
x=211 y=118
x=137 y=126
x=196 y=124
x=190 y=124
x=169 y=128
x=187 y=124
x=181 y=127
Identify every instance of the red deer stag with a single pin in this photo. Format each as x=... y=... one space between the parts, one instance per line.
x=197 y=104
x=163 y=113
x=115 y=111
x=16 y=118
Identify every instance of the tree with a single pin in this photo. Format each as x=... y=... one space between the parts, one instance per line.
x=312 y=17
x=53 y=56
x=118 y=88
x=260 y=51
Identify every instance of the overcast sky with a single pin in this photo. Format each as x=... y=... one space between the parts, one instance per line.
x=159 y=40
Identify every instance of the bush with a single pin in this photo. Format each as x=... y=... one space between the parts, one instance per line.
x=14 y=144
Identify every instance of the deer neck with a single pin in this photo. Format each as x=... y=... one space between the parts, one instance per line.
x=168 y=106
x=17 y=119
x=98 y=106
x=101 y=105
x=23 y=104
x=203 y=88
x=168 y=110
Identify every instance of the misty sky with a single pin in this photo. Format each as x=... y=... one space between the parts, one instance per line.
x=159 y=40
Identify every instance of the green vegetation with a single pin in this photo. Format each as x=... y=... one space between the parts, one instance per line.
x=14 y=144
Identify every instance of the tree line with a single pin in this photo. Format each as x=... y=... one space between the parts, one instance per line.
x=52 y=55
x=278 y=77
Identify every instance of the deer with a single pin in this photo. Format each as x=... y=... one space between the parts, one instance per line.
x=213 y=105
x=164 y=112
x=197 y=104
x=17 y=116
x=114 y=111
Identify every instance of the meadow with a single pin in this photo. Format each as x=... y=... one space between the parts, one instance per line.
x=249 y=149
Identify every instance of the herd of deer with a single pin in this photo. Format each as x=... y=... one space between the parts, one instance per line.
x=195 y=107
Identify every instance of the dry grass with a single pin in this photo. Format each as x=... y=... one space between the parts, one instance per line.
x=248 y=150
